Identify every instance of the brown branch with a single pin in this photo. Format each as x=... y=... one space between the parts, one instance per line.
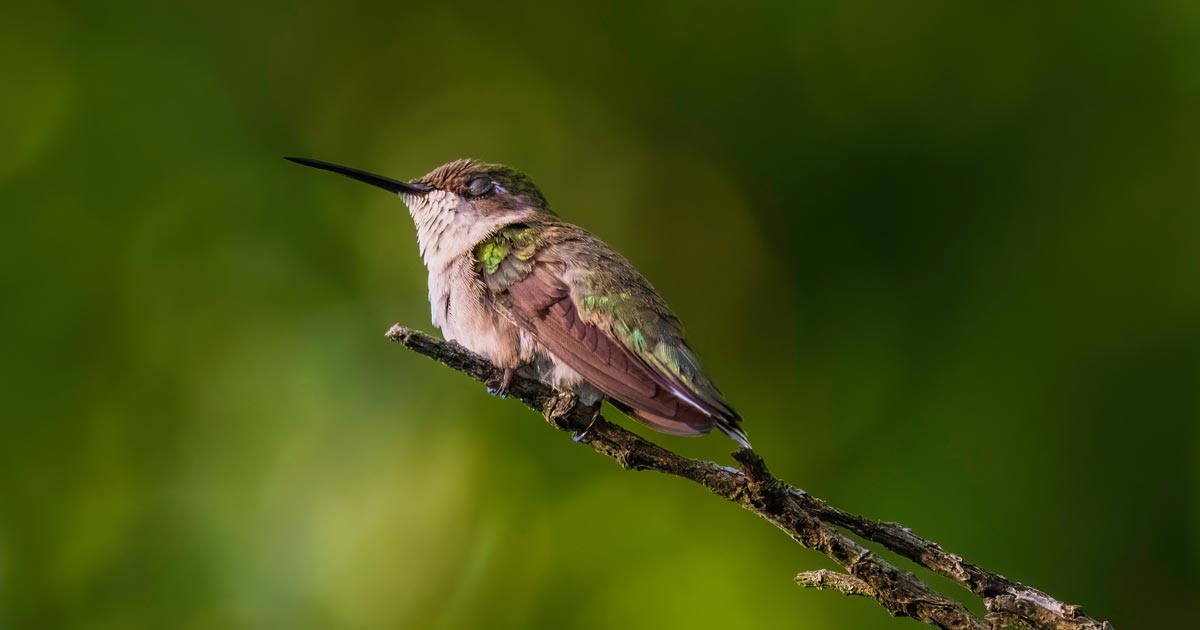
x=808 y=520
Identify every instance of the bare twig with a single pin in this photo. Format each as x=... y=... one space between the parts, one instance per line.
x=809 y=521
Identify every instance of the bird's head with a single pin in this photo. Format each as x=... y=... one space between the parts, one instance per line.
x=488 y=188
x=464 y=186
x=458 y=204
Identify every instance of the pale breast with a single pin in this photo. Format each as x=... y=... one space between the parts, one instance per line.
x=462 y=312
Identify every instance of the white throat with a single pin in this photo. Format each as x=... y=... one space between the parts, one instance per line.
x=448 y=226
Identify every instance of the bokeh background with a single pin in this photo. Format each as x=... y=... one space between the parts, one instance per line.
x=942 y=256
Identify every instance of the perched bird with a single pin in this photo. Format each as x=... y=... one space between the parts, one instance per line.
x=515 y=284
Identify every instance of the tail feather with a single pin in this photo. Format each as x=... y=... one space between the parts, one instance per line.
x=735 y=431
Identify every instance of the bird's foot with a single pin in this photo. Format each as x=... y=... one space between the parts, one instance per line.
x=582 y=435
x=501 y=390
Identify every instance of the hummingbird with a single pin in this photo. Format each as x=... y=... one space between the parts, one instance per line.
x=512 y=282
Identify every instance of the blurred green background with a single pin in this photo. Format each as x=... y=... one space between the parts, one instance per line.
x=944 y=257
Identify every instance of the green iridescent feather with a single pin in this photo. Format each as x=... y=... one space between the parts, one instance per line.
x=506 y=257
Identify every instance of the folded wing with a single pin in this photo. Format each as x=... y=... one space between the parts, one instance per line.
x=624 y=342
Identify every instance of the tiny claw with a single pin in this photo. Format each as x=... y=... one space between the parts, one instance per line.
x=501 y=390
x=582 y=435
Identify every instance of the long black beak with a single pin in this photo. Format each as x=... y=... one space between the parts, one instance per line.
x=394 y=186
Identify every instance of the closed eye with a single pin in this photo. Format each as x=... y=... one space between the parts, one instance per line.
x=481 y=187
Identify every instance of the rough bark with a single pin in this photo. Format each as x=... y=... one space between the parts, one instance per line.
x=806 y=519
